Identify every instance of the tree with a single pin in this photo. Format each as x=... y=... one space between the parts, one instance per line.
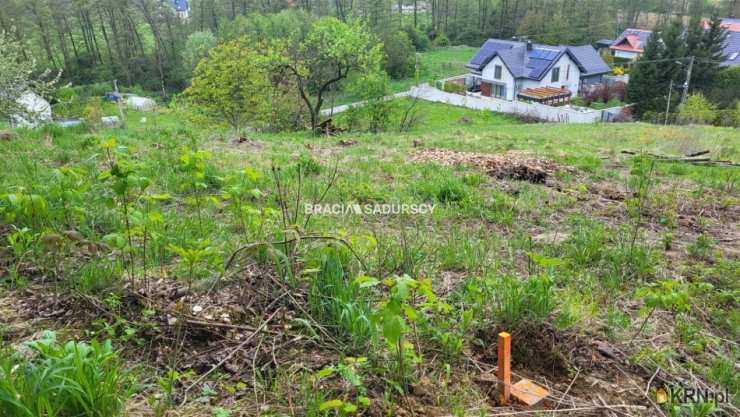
x=545 y=28
x=18 y=75
x=330 y=52
x=373 y=88
x=672 y=54
x=725 y=88
x=399 y=54
x=697 y=109
x=708 y=53
x=196 y=48
x=239 y=83
x=644 y=88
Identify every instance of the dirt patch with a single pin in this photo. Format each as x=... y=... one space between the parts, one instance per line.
x=516 y=165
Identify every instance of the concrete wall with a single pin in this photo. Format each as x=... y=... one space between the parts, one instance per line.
x=540 y=111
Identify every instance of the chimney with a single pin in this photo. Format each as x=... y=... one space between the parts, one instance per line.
x=529 y=45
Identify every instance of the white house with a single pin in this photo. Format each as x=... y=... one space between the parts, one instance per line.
x=511 y=69
x=181 y=8
x=631 y=43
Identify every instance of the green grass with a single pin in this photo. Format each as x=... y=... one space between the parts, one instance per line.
x=75 y=379
x=436 y=64
x=559 y=254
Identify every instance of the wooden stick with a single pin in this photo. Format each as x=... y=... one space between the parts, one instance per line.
x=504 y=367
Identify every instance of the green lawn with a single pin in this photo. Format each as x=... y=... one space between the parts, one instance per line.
x=436 y=64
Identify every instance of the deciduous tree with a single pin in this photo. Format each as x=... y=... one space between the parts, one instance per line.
x=240 y=83
x=330 y=52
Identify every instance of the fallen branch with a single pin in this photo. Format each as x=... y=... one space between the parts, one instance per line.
x=692 y=158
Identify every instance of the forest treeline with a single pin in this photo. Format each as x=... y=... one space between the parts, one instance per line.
x=146 y=42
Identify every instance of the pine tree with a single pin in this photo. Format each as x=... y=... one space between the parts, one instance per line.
x=644 y=88
x=672 y=65
x=708 y=54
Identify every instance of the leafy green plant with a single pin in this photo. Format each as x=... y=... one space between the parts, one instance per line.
x=354 y=398
x=195 y=253
x=399 y=311
x=701 y=248
x=24 y=208
x=74 y=379
x=193 y=164
x=668 y=294
x=127 y=186
x=21 y=242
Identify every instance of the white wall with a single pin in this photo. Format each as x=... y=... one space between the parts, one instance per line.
x=540 y=111
x=572 y=83
x=506 y=78
x=625 y=54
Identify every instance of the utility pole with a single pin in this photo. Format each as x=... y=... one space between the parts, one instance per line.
x=688 y=79
x=119 y=102
x=668 y=104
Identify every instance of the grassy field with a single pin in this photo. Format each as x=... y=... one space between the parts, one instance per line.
x=193 y=251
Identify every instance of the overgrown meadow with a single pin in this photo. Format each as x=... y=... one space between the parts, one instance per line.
x=180 y=274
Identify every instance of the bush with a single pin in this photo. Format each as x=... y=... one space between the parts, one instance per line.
x=399 y=54
x=441 y=40
x=724 y=88
x=697 y=109
x=419 y=39
x=471 y=38
x=75 y=379
x=728 y=118
x=453 y=87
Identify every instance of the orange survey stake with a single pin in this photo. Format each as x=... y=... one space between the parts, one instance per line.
x=504 y=366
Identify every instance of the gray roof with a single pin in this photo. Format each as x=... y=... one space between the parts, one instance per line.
x=589 y=60
x=535 y=62
x=732 y=49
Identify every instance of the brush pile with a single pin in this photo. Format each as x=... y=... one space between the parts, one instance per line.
x=516 y=165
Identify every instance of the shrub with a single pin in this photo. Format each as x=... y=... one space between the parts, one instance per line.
x=441 y=40
x=453 y=87
x=399 y=54
x=471 y=38
x=419 y=39
x=697 y=109
x=75 y=379
x=728 y=118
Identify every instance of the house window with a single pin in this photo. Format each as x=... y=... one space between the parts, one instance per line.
x=567 y=72
x=497 y=72
x=498 y=90
x=555 y=75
